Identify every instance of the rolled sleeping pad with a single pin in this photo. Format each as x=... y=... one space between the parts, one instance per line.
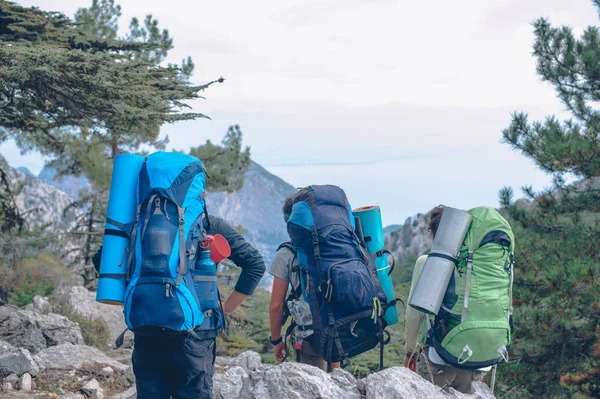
x=374 y=238
x=431 y=286
x=122 y=207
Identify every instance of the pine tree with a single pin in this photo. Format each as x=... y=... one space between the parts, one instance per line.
x=556 y=350
x=226 y=163
x=79 y=94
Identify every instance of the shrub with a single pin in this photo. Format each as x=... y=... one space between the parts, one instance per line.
x=32 y=276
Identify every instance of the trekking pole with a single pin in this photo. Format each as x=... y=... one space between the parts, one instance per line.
x=493 y=379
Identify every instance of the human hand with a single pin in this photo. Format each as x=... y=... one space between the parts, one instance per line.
x=281 y=351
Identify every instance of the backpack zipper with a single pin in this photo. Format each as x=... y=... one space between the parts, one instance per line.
x=169 y=290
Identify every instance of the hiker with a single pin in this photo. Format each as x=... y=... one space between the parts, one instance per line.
x=284 y=272
x=422 y=358
x=183 y=367
x=172 y=302
x=337 y=277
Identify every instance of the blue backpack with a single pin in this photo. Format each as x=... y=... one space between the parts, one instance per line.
x=166 y=291
x=337 y=276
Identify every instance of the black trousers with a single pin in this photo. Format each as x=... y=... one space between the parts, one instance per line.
x=179 y=367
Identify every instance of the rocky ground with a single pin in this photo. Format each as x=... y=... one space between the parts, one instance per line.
x=43 y=355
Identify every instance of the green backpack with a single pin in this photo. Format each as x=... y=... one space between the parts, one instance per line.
x=472 y=329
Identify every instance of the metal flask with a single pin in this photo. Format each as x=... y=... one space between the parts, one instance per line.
x=430 y=289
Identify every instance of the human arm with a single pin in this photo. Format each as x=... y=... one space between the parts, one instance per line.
x=276 y=310
x=244 y=256
x=235 y=299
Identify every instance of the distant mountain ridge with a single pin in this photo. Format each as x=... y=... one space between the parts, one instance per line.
x=256 y=207
x=67 y=184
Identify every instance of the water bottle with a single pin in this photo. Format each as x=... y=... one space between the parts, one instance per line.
x=205 y=279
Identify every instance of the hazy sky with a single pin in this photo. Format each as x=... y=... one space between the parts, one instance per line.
x=399 y=102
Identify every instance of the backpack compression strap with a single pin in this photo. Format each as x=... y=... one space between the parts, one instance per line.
x=467 y=286
x=134 y=230
x=182 y=269
x=330 y=317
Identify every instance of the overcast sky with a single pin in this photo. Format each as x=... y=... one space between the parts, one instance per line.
x=400 y=102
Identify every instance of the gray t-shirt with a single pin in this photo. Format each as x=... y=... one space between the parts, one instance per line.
x=282 y=265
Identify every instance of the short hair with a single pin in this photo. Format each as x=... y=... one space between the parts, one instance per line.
x=288 y=203
x=435 y=215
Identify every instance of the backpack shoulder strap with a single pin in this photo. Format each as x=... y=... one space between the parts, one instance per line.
x=288 y=245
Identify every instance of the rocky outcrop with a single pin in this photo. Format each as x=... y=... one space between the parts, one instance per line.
x=411 y=239
x=73 y=370
x=36 y=331
x=18 y=362
x=83 y=302
x=42 y=203
x=81 y=357
x=247 y=379
x=400 y=382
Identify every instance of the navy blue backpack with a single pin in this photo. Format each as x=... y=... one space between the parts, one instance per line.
x=165 y=238
x=337 y=276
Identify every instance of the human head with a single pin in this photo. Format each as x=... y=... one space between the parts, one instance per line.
x=288 y=203
x=434 y=219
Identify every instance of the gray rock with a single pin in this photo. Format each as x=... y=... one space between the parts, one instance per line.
x=18 y=362
x=401 y=383
x=345 y=381
x=40 y=304
x=84 y=303
x=107 y=371
x=301 y=381
x=12 y=378
x=34 y=331
x=7 y=386
x=69 y=356
x=92 y=389
x=25 y=382
x=131 y=393
x=248 y=360
x=233 y=384
x=71 y=395
x=221 y=364
x=5 y=347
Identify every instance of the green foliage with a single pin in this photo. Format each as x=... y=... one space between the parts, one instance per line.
x=248 y=326
x=94 y=332
x=101 y=19
x=30 y=277
x=556 y=350
x=226 y=163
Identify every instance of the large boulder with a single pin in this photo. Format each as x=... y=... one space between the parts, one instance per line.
x=401 y=383
x=34 y=331
x=18 y=362
x=232 y=384
x=69 y=356
x=84 y=303
x=248 y=360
